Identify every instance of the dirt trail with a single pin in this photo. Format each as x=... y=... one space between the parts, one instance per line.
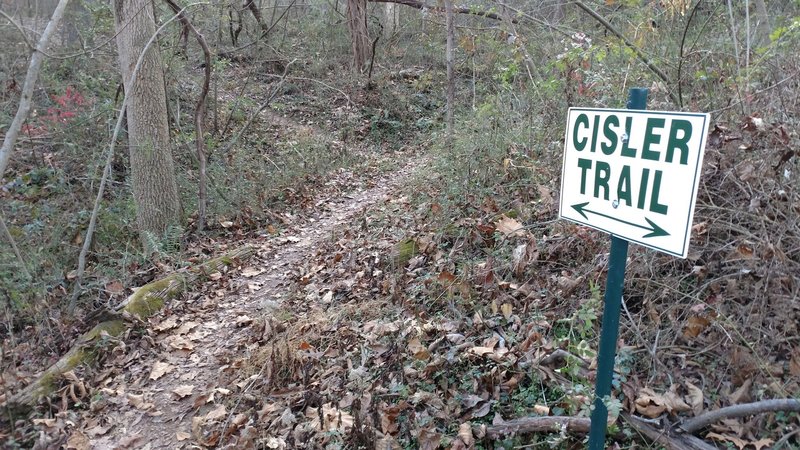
x=154 y=394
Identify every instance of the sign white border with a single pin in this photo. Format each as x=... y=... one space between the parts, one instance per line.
x=566 y=210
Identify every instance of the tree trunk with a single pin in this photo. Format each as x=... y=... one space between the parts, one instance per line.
x=392 y=19
x=764 y=28
x=155 y=190
x=451 y=31
x=359 y=36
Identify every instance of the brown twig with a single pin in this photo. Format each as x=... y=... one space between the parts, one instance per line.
x=747 y=409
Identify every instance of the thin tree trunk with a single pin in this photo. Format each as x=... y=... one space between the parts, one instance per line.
x=392 y=19
x=155 y=190
x=359 y=36
x=451 y=31
x=764 y=27
x=27 y=88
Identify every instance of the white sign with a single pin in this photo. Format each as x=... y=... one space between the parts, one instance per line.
x=634 y=174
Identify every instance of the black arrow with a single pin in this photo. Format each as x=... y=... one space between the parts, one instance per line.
x=654 y=229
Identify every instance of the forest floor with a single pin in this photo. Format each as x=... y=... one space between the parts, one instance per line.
x=169 y=390
x=172 y=386
x=382 y=312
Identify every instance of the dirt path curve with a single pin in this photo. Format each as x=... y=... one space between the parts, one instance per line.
x=159 y=393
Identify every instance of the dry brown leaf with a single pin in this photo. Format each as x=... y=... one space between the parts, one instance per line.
x=166 y=324
x=507 y=310
x=695 y=325
x=695 y=397
x=739 y=443
x=794 y=363
x=183 y=390
x=217 y=413
x=182 y=436
x=160 y=369
x=415 y=346
x=652 y=405
x=78 y=441
x=762 y=443
x=465 y=434
x=428 y=438
x=49 y=423
x=741 y=395
x=675 y=402
x=510 y=227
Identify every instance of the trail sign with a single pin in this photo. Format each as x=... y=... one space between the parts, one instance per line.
x=634 y=174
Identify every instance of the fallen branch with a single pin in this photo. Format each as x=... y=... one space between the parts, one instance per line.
x=550 y=424
x=670 y=441
x=744 y=410
x=145 y=302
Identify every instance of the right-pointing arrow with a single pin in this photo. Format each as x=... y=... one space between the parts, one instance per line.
x=654 y=230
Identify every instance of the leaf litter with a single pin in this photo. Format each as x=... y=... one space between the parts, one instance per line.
x=366 y=331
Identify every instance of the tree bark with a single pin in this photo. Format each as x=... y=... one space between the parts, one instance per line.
x=451 y=31
x=155 y=189
x=359 y=35
x=763 y=27
x=392 y=19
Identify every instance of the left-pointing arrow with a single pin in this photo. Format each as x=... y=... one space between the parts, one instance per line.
x=654 y=230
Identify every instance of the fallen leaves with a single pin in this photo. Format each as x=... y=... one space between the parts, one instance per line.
x=651 y=404
x=160 y=369
x=183 y=390
x=510 y=227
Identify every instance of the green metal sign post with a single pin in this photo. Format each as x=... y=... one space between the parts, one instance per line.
x=611 y=309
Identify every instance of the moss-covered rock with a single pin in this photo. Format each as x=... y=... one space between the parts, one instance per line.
x=402 y=253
